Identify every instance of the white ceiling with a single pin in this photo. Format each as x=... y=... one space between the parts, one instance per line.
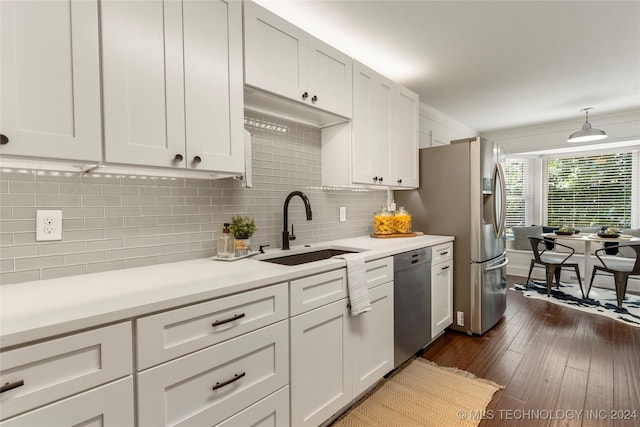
x=490 y=65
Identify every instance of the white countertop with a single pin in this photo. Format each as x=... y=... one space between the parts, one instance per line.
x=35 y=310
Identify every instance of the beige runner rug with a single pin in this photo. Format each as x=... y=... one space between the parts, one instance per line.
x=422 y=394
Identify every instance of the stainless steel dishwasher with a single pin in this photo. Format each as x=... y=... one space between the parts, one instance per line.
x=412 y=303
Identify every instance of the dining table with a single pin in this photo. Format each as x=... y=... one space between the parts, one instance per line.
x=587 y=239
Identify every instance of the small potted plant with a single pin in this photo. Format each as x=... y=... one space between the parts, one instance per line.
x=242 y=229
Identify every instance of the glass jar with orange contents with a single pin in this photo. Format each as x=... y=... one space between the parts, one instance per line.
x=383 y=222
x=402 y=221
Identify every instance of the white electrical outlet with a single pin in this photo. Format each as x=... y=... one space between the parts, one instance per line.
x=343 y=214
x=460 y=319
x=48 y=225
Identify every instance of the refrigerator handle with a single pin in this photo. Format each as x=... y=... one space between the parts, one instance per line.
x=495 y=267
x=499 y=220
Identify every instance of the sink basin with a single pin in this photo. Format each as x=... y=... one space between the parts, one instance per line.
x=305 y=257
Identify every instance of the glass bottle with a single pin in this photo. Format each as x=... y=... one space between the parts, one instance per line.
x=402 y=221
x=382 y=222
x=226 y=243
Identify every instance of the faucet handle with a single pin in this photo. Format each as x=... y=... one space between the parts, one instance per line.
x=292 y=236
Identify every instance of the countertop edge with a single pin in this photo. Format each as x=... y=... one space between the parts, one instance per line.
x=33 y=323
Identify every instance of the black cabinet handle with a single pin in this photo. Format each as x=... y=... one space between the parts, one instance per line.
x=446 y=267
x=4 y=139
x=314 y=99
x=178 y=158
x=235 y=378
x=444 y=253
x=305 y=95
x=11 y=386
x=196 y=160
x=229 y=320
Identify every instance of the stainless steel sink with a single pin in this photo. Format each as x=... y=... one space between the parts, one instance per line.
x=304 y=257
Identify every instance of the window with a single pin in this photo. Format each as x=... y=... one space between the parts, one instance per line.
x=594 y=190
x=519 y=207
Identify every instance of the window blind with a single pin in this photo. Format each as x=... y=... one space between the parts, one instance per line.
x=589 y=191
x=519 y=204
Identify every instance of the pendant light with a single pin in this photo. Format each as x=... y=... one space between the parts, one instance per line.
x=587 y=134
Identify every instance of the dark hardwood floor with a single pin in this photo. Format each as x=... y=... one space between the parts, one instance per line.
x=553 y=362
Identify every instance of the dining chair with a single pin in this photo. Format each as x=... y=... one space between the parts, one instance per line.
x=620 y=267
x=552 y=262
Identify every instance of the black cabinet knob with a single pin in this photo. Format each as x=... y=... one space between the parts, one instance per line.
x=314 y=99
x=4 y=139
x=305 y=95
x=375 y=179
x=380 y=179
x=178 y=158
x=197 y=160
x=400 y=181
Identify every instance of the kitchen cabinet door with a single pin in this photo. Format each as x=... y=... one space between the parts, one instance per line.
x=283 y=59
x=330 y=78
x=373 y=99
x=405 y=139
x=321 y=364
x=110 y=405
x=51 y=79
x=441 y=297
x=275 y=53
x=172 y=84
x=213 y=384
x=214 y=108
x=47 y=371
x=372 y=339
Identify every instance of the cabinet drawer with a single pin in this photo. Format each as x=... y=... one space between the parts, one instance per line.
x=59 y=368
x=273 y=410
x=315 y=291
x=110 y=405
x=442 y=252
x=213 y=384
x=168 y=335
x=378 y=272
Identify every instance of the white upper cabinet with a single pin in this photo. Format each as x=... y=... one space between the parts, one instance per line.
x=50 y=79
x=405 y=139
x=172 y=76
x=379 y=148
x=373 y=102
x=282 y=59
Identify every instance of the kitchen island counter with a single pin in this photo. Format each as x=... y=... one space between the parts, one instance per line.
x=31 y=311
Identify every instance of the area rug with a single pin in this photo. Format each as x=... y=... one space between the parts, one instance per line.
x=602 y=302
x=422 y=394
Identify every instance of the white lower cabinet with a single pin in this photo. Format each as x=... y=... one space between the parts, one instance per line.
x=320 y=363
x=272 y=411
x=39 y=374
x=335 y=356
x=170 y=334
x=372 y=339
x=441 y=289
x=110 y=405
x=210 y=385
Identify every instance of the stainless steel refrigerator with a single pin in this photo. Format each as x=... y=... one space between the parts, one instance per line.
x=462 y=193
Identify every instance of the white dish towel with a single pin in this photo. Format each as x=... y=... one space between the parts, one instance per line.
x=356 y=283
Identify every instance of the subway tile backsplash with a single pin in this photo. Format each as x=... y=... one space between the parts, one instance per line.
x=115 y=222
